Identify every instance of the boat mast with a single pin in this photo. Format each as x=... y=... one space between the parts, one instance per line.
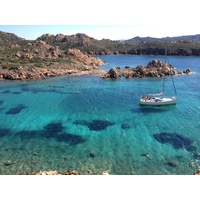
x=164 y=70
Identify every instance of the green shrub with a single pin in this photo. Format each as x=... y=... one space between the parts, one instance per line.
x=13 y=67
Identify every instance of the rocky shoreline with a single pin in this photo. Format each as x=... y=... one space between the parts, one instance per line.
x=73 y=172
x=39 y=60
x=155 y=68
x=68 y=172
x=37 y=74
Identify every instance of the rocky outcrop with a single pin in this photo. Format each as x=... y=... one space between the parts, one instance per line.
x=39 y=60
x=113 y=74
x=68 y=172
x=38 y=49
x=155 y=68
x=84 y=58
x=22 y=73
x=73 y=172
x=197 y=172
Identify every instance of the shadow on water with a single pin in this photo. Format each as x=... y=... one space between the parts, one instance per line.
x=153 y=109
x=52 y=130
x=16 y=109
x=176 y=140
x=148 y=110
x=95 y=125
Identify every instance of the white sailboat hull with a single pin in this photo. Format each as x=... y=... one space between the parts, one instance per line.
x=158 y=101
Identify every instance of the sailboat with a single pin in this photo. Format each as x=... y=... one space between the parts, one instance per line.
x=159 y=99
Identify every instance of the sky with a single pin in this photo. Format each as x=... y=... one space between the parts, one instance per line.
x=107 y=19
x=113 y=32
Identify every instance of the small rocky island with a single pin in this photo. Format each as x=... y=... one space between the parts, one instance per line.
x=155 y=68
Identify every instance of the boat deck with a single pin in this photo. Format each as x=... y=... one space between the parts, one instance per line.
x=157 y=101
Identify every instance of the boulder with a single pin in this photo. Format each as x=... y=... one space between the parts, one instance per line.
x=8 y=162
x=187 y=71
x=151 y=74
x=92 y=154
x=112 y=73
x=197 y=172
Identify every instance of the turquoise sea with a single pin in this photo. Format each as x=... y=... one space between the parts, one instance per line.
x=91 y=125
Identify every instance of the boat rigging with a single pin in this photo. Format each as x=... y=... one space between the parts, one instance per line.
x=160 y=98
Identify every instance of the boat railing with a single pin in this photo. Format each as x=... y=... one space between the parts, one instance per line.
x=156 y=95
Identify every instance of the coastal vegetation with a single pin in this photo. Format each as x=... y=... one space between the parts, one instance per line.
x=53 y=55
x=184 y=46
x=36 y=60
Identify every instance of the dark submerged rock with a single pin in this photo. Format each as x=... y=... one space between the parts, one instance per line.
x=8 y=162
x=26 y=134
x=92 y=154
x=71 y=139
x=95 y=125
x=4 y=132
x=54 y=127
x=171 y=163
x=53 y=131
x=125 y=126
x=16 y=92
x=6 y=92
x=196 y=156
x=16 y=109
x=176 y=140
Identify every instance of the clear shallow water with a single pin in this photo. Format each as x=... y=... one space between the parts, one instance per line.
x=91 y=125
